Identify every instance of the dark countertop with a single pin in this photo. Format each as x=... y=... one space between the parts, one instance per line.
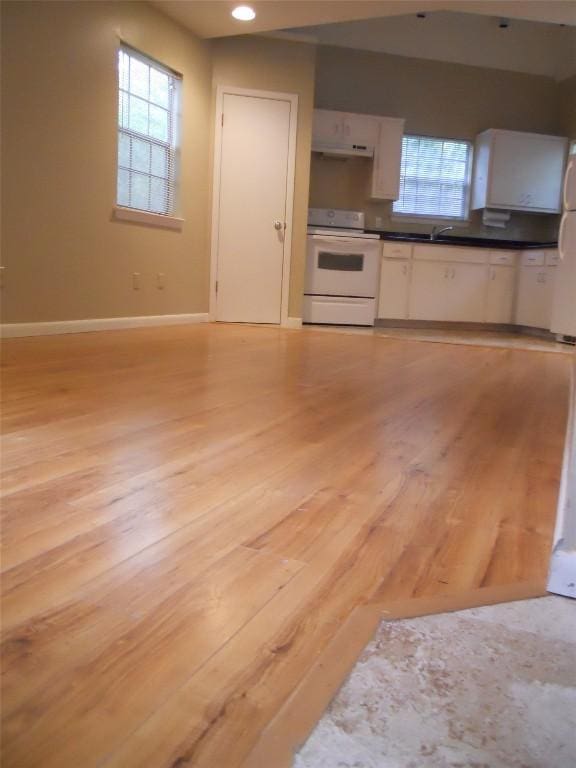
x=477 y=242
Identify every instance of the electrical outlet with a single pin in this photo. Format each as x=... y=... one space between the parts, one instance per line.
x=135 y=281
x=160 y=281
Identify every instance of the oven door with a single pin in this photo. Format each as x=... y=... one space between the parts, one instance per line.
x=341 y=266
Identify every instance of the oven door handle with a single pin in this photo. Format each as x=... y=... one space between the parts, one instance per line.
x=335 y=239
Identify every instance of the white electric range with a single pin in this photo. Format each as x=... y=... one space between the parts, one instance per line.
x=342 y=264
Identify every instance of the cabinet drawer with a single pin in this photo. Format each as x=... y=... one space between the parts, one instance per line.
x=443 y=252
x=339 y=310
x=533 y=258
x=397 y=250
x=503 y=257
x=552 y=258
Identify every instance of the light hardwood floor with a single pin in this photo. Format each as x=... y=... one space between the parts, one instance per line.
x=191 y=515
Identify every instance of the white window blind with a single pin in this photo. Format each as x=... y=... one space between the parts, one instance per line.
x=147 y=134
x=434 y=178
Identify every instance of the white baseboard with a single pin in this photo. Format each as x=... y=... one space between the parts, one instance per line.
x=13 y=330
x=292 y=322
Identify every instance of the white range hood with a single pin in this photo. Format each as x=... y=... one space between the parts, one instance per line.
x=343 y=150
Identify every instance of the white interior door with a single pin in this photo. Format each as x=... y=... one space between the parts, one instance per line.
x=252 y=207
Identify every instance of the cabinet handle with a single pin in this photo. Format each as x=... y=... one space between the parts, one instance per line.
x=405 y=269
x=453 y=272
x=492 y=273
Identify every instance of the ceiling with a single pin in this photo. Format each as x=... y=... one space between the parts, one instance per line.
x=463 y=38
x=211 y=18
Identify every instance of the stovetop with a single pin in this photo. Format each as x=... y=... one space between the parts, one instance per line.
x=339 y=232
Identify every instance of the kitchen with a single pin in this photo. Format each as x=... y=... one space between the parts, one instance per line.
x=468 y=224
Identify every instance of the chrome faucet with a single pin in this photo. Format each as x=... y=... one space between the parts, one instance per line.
x=437 y=232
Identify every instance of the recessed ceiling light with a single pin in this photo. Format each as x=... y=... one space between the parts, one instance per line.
x=244 y=13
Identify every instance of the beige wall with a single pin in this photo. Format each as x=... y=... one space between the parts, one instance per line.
x=437 y=99
x=278 y=65
x=568 y=107
x=65 y=257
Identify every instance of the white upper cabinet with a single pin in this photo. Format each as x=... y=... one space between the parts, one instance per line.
x=387 y=159
x=361 y=129
x=330 y=128
x=383 y=135
x=519 y=171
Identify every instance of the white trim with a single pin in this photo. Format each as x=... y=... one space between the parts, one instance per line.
x=410 y=218
x=292 y=322
x=291 y=165
x=562 y=575
x=146 y=217
x=13 y=330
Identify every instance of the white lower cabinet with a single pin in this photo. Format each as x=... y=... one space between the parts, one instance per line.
x=394 y=287
x=467 y=285
x=452 y=291
x=536 y=289
x=532 y=308
x=500 y=293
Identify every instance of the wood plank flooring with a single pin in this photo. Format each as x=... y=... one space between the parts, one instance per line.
x=191 y=514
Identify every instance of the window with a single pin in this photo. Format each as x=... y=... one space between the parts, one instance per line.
x=147 y=134
x=434 y=178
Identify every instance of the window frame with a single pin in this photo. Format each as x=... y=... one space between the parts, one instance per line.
x=171 y=219
x=436 y=218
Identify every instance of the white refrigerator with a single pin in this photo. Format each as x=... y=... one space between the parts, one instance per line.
x=564 y=305
x=562 y=574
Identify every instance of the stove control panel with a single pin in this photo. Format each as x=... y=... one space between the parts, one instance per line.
x=333 y=217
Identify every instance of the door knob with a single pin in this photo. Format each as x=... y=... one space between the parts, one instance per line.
x=277 y=224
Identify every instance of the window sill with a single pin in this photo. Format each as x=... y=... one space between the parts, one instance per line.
x=434 y=220
x=145 y=217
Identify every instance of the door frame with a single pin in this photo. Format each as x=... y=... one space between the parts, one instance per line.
x=292 y=98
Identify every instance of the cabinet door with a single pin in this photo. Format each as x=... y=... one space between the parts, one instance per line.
x=549 y=293
x=453 y=292
x=526 y=171
x=467 y=293
x=429 y=293
x=533 y=305
x=500 y=295
x=360 y=129
x=387 y=159
x=327 y=126
x=394 y=283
